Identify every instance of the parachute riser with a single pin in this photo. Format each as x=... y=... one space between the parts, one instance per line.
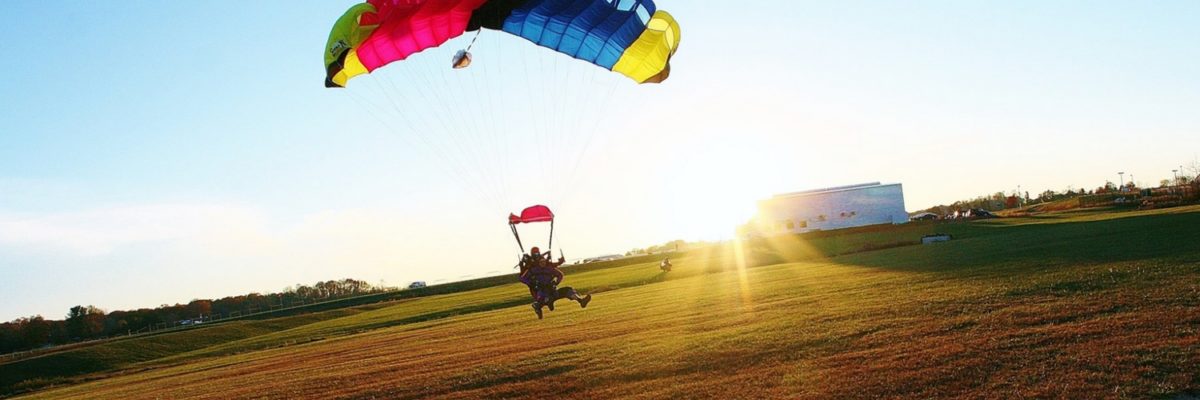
x=518 y=236
x=472 y=44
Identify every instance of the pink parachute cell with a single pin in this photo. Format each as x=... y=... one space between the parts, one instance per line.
x=410 y=26
x=538 y=213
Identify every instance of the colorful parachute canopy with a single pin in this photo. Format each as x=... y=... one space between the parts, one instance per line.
x=631 y=37
x=538 y=213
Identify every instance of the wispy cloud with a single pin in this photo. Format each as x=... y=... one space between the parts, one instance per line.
x=100 y=231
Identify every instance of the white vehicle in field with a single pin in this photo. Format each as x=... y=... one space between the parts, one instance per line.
x=417 y=285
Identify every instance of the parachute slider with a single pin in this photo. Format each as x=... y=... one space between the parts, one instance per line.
x=462 y=59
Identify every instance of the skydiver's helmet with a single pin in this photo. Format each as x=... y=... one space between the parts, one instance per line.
x=535 y=252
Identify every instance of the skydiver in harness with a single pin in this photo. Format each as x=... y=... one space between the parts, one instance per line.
x=538 y=272
x=528 y=261
x=543 y=278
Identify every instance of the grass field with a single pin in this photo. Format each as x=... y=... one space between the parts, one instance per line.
x=1081 y=304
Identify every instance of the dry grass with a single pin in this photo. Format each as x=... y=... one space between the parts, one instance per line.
x=1054 y=206
x=980 y=317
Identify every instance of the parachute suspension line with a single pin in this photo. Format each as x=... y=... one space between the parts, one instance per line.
x=530 y=119
x=498 y=151
x=505 y=145
x=545 y=118
x=450 y=159
x=424 y=132
x=421 y=133
x=578 y=135
x=455 y=127
x=469 y=99
x=473 y=39
x=482 y=137
x=474 y=113
x=591 y=133
x=426 y=125
x=574 y=107
x=486 y=129
x=518 y=236
x=491 y=131
x=374 y=112
x=563 y=129
x=571 y=114
x=455 y=131
x=455 y=159
x=590 y=136
x=556 y=132
x=560 y=117
x=557 y=90
x=536 y=120
x=550 y=246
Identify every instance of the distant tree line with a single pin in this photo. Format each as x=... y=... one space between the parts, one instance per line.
x=89 y=322
x=993 y=202
x=1000 y=201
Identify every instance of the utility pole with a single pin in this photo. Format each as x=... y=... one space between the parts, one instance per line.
x=1174 y=177
x=1122 y=187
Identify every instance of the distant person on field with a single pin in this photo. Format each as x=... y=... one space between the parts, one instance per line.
x=665 y=265
x=543 y=278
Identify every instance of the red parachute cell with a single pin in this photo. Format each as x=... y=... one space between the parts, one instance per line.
x=538 y=213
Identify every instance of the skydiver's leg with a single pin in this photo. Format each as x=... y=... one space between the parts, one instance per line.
x=547 y=297
x=537 y=298
x=570 y=293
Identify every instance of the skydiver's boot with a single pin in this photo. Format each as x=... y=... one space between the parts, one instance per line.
x=583 y=302
x=537 y=308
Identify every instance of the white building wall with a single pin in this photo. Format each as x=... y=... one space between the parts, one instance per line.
x=834 y=208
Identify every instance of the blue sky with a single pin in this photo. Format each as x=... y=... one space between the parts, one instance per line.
x=155 y=152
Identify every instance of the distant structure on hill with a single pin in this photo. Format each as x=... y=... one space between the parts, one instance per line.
x=831 y=208
x=609 y=257
x=925 y=216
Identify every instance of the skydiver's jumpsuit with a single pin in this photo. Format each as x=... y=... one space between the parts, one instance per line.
x=543 y=283
x=527 y=263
